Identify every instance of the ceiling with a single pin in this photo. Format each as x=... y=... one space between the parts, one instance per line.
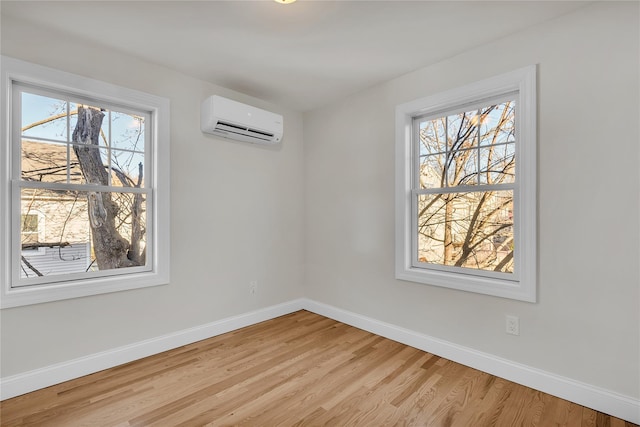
x=302 y=55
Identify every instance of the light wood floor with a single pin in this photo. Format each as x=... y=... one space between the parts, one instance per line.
x=297 y=370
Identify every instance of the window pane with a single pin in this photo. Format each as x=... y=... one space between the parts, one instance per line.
x=462 y=130
x=497 y=164
x=103 y=134
x=86 y=231
x=462 y=167
x=498 y=124
x=45 y=162
x=433 y=137
x=431 y=171
x=88 y=125
x=94 y=161
x=127 y=168
x=127 y=131
x=44 y=117
x=471 y=230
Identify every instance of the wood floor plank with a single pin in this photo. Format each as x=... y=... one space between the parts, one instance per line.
x=301 y=369
x=274 y=388
x=588 y=417
x=470 y=388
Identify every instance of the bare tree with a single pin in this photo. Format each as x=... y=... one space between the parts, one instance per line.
x=468 y=228
x=109 y=214
x=110 y=247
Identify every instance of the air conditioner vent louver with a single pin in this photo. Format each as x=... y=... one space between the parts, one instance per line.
x=231 y=125
x=234 y=120
x=241 y=130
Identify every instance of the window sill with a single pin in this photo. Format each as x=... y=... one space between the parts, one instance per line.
x=27 y=295
x=469 y=283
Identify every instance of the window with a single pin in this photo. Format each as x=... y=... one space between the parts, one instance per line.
x=85 y=163
x=466 y=198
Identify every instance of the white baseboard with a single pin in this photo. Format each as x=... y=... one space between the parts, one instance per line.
x=617 y=405
x=16 y=385
x=602 y=400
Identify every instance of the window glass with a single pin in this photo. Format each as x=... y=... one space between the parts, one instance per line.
x=44 y=117
x=79 y=219
x=107 y=229
x=470 y=148
x=471 y=230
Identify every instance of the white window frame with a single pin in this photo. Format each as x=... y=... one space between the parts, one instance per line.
x=14 y=71
x=521 y=286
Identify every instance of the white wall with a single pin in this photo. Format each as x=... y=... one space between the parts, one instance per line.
x=236 y=216
x=241 y=212
x=586 y=325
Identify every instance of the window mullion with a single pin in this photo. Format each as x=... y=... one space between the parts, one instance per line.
x=417 y=145
x=445 y=168
x=109 y=140
x=68 y=126
x=477 y=148
x=466 y=189
x=79 y=187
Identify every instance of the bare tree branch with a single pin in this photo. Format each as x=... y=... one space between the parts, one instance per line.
x=30 y=266
x=45 y=245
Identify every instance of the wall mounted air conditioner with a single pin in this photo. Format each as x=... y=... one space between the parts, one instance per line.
x=234 y=120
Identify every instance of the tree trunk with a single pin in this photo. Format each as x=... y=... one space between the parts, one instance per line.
x=448 y=233
x=109 y=246
x=136 y=226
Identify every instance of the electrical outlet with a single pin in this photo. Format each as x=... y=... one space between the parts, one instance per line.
x=512 y=325
x=253 y=287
